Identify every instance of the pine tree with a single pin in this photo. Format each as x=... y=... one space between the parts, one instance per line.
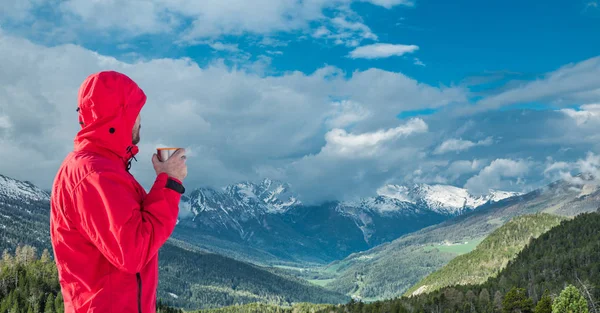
x=570 y=300
x=18 y=255
x=49 y=308
x=545 y=304
x=516 y=301
x=498 y=302
x=59 y=304
x=15 y=308
x=484 y=301
x=45 y=258
x=7 y=258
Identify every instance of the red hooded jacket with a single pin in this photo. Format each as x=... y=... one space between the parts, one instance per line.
x=105 y=229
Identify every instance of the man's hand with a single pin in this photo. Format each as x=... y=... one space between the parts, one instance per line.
x=175 y=166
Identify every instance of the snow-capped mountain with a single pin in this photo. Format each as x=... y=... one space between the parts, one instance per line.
x=269 y=216
x=24 y=214
x=247 y=198
x=273 y=196
x=421 y=205
x=443 y=199
x=21 y=190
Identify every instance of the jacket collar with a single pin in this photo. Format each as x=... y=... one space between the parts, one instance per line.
x=125 y=159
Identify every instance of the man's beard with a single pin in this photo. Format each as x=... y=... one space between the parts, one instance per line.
x=136 y=137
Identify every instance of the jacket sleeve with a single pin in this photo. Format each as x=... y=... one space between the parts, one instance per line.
x=126 y=232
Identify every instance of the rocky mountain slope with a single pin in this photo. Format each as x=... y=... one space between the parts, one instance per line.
x=390 y=269
x=268 y=223
x=189 y=277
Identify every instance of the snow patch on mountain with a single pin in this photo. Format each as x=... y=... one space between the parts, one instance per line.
x=451 y=200
x=497 y=195
x=395 y=192
x=267 y=197
x=21 y=190
x=380 y=204
x=443 y=199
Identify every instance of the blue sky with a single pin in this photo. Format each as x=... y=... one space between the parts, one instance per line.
x=457 y=40
x=338 y=97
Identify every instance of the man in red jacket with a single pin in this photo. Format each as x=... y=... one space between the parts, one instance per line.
x=105 y=229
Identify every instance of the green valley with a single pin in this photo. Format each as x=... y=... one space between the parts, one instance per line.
x=558 y=270
x=390 y=269
x=490 y=256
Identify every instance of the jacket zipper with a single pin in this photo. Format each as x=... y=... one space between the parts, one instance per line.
x=139 y=281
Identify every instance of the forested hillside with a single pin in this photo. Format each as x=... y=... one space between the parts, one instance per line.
x=387 y=271
x=491 y=255
x=29 y=284
x=24 y=215
x=189 y=277
x=194 y=280
x=568 y=254
x=264 y=308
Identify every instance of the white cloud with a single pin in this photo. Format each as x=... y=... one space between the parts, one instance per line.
x=570 y=171
x=571 y=84
x=557 y=166
x=382 y=50
x=390 y=3
x=458 y=145
x=16 y=10
x=395 y=93
x=461 y=167
x=586 y=113
x=321 y=32
x=191 y=21
x=5 y=122
x=343 y=144
x=419 y=62
x=501 y=174
x=135 y=17
x=345 y=29
x=346 y=113
x=239 y=124
x=219 y=46
x=272 y=42
x=353 y=165
x=591 y=5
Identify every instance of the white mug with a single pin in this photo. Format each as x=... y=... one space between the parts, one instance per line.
x=165 y=153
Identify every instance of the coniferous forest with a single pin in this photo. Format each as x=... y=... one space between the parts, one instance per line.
x=560 y=268
x=557 y=272
x=29 y=284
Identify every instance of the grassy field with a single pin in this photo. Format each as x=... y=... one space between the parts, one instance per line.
x=490 y=256
x=291 y=268
x=321 y=282
x=458 y=249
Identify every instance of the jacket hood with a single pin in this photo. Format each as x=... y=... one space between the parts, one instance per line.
x=108 y=105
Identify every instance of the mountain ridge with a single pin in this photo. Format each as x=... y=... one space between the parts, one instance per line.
x=269 y=216
x=25 y=220
x=388 y=270
x=490 y=256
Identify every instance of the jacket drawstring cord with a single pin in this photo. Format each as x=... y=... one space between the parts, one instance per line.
x=131 y=156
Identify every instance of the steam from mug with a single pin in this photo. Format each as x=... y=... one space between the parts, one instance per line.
x=165 y=153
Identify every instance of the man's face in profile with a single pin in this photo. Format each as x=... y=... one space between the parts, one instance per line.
x=136 y=130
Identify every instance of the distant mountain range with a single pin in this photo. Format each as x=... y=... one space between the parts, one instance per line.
x=443 y=199
x=24 y=214
x=388 y=270
x=268 y=223
x=189 y=277
x=421 y=227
